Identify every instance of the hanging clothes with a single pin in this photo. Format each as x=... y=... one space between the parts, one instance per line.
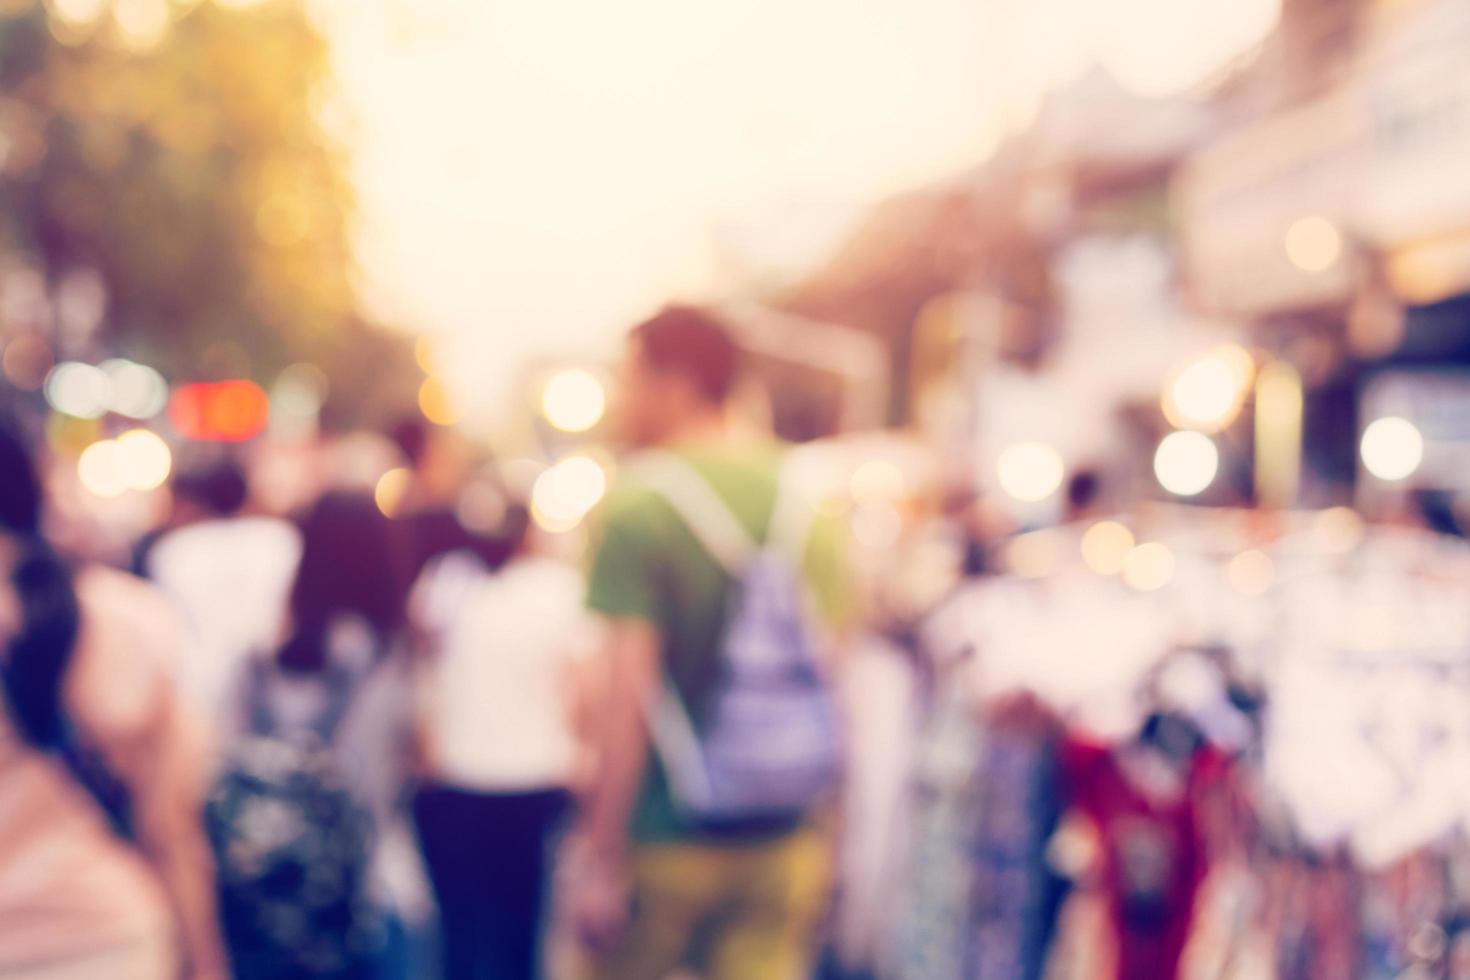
x=879 y=690
x=1153 y=858
x=930 y=934
x=1317 y=904
x=1016 y=897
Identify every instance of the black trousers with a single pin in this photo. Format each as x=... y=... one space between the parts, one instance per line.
x=488 y=857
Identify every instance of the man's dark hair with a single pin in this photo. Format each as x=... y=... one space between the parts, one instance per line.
x=692 y=343
x=219 y=486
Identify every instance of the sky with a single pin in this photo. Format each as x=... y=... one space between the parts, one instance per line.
x=534 y=175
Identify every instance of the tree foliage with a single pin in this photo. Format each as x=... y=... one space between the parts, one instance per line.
x=192 y=176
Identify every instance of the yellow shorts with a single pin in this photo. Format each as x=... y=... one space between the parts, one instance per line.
x=727 y=911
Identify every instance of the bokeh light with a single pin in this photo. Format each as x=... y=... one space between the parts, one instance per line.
x=221 y=411
x=142 y=23
x=437 y=404
x=1030 y=471
x=26 y=362
x=299 y=393
x=1149 y=567
x=137 y=391
x=1392 y=449
x=1313 y=244
x=144 y=458
x=1186 y=463
x=391 y=489
x=80 y=390
x=567 y=492
x=78 y=12
x=1105 y=547
x=102 y=469
x=1207 y=393
x=573 y=400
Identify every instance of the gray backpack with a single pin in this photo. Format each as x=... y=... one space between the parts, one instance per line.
x=770 y=746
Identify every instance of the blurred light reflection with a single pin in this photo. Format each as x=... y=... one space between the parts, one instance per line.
x=1392 y=449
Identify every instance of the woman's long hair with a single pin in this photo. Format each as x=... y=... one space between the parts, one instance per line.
x=351 y=565
x=37 y=657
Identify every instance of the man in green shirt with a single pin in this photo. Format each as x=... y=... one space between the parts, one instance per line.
x=658 y=891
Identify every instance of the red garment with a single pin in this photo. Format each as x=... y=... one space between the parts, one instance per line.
x=1153 y=854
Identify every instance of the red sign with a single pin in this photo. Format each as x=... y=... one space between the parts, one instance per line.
x=219 y=411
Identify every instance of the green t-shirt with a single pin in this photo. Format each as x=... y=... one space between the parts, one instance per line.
x=648 y=565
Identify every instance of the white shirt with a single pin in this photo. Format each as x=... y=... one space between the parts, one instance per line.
x=230 y=578
x=494 y=710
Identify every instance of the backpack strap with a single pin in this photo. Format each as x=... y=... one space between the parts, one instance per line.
x=674 y=739
x=710 y=519
x=702 y=510
x=341 y=684
x=791 y=521
x=714 y=525
x=257 y=707
x=707 y=516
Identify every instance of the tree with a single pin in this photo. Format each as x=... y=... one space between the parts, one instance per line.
x=191 y=175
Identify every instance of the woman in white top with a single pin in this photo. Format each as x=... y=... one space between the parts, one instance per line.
x=500 y=752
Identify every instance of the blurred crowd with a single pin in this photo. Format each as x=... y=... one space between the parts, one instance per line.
x=734 y=733
x=1045 y=560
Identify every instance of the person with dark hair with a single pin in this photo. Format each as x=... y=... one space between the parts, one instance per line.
x=429 y=512
x=322 y=738
x=215 y=490
x=501 y=678
x=700 y=563
x=691 y=345
x=219 y=489
x=104 y=869
x=222 y=567
x=350 y=571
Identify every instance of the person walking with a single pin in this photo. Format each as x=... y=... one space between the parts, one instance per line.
x=308 y=814
x=222 y=566
x=699 y=845
x=104 y=868
x=499 y=682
